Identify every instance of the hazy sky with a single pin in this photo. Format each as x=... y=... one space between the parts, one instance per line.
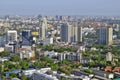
x=60 y=7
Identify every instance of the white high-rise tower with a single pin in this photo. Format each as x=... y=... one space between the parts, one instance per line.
x=43 y=28
x=11 y=36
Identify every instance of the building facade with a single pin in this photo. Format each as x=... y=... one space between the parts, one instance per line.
x=43 y=28
x=26 y=34
x=2 y=42
x=71 y=33
x=11 y=36
x=41 y=76
x=105 y=36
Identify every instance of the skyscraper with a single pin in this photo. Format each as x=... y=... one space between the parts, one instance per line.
x=43 y=28
x=26 y=34
x=79 y=33
x=66 y=32
x=71 y=33
x=105 y=36
x=11 y=41
x=11 y=36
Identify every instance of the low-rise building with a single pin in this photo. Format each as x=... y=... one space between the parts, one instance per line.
x=29 y=72
x=10 y=47
x=48 y=41
x=108 y=69
x=73 y=56
x=50 y=54
x=68 y=56
x=116 y=69
x=42 y=76
x=109 y=56
x=2 y=49
x=103 y=74
x=26 y=53
x=61 y=56
x=4 y=59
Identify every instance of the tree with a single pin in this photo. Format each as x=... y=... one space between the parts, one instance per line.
x=46 y=59
x=66 y=70
x=92 y=64
x=4 y=54
x=108 y=63
x=0 y=68
x=23 y=77
x=17 y=66
x=88 y=71
x=3 y=77
x=63 y=78
x=24 y=65
x=64 y=62
x=15 y=58
x=54 y=67
x=41 y=64
x=8 y=66
x=13 y=75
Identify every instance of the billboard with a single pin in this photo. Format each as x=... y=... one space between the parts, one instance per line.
x=35 y=33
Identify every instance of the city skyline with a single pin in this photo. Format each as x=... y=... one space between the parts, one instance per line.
x=60 y=7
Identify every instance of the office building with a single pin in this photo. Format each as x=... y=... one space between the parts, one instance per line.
x=71 y=33
x=105 y=36
x=26 y=35
x=11 y=36
x=11 y=41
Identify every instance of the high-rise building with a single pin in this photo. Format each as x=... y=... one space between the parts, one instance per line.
x=79 y=33
x=26 y=34
x=43 y=28
x=71 y=33
x=2 y=43
x=105 y=36
x=11 y=36
x=66 y=32
x=116 y=27
x=11 y=41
